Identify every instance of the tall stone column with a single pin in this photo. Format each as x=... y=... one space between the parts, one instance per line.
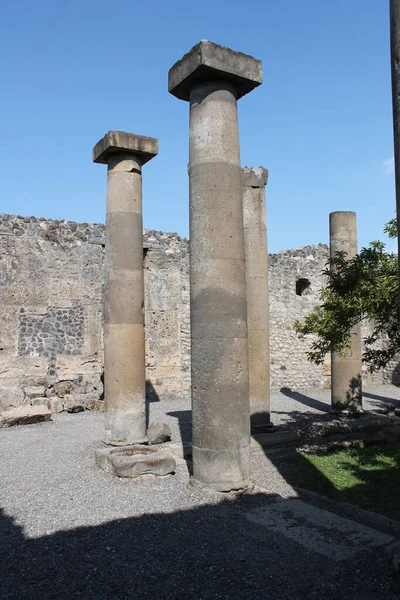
x=395 y=68
x=124 y=353
x=255 y=240
x=346 y=371
x=212 y=78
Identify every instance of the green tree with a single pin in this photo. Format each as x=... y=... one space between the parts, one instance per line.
x=365 y=287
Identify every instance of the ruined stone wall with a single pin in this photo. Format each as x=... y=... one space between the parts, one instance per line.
x=295 y=277
x=51 y=286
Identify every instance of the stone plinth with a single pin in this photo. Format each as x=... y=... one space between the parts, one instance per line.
x=135 y=461
x=254 y=180
x=346 y=371
x=124 y=349
x=212 y=78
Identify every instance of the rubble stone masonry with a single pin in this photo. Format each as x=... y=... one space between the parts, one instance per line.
x=51 y=286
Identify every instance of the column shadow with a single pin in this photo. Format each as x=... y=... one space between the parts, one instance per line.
x=305 y=400
x=211 y=551
x=227 y=549
x=151 y=396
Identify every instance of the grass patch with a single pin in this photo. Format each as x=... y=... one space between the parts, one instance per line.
x=367 y=477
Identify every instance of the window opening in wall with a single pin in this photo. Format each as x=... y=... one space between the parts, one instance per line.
x=302 y=285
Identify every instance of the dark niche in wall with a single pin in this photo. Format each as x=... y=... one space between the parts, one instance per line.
x=303 y=287
x=57 y=331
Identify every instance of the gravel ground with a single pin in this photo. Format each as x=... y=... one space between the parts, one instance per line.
x=69 y=530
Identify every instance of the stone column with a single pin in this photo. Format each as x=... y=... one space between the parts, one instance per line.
x=124 y=353
x=212 y=78
x=395 y=63
x=346 y=371
x=255 y=240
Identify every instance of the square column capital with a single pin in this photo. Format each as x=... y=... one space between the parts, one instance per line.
x=115 y=142
x=207 y=62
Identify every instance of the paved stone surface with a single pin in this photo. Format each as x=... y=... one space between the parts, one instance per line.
x=70 y=530
x=319 y=530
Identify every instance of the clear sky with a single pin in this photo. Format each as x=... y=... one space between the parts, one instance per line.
x=321 y=122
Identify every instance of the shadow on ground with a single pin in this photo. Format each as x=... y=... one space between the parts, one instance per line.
x=381 y=402
x=305 y=400
x=368 y=478
x=209 y=552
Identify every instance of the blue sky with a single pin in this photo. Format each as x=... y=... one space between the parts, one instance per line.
x=321 y=122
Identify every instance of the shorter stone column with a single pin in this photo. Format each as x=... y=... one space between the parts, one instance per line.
x=124 y=350
x=254 y=180
x=346 y=371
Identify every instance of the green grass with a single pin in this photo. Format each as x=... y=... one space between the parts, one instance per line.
x=367 y=477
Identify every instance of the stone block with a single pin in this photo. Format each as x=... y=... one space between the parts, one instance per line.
x=56 y=405
x=35 y=391
x=158 y=433
x=11 y=397
x=41 y=401
x=208 y=61
x=134 y=461
x=118 y=141
x=256 y=177
x=24 y=415
x=63 y=388
x=98 y=405
x=74 y=404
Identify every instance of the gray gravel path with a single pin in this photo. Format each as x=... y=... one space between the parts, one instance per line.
x=68 y=530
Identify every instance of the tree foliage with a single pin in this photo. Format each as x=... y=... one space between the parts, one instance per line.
x=364 y=287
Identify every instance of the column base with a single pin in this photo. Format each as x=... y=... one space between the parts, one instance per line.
x=223 y=489
x=125 y=429
x=354 y=410
x=260 y=419
x=222 y=470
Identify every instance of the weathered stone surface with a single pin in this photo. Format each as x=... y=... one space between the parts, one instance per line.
x=346 y=371
x=64 y=272
x=158 y=433
x=213 y=78
x=11 y=397
x=134 y=461
x=98 y=405
x=256 y=177
x=209 y=61
x=74 y=404
x=24 y=415
x=255 y=237
x=68 y=272
x=123 y=298
x=55 y=405
x=36 y=391
x=119 y=141
x=39 y=401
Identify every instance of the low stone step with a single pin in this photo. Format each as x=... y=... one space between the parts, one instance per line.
x=24 y=415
